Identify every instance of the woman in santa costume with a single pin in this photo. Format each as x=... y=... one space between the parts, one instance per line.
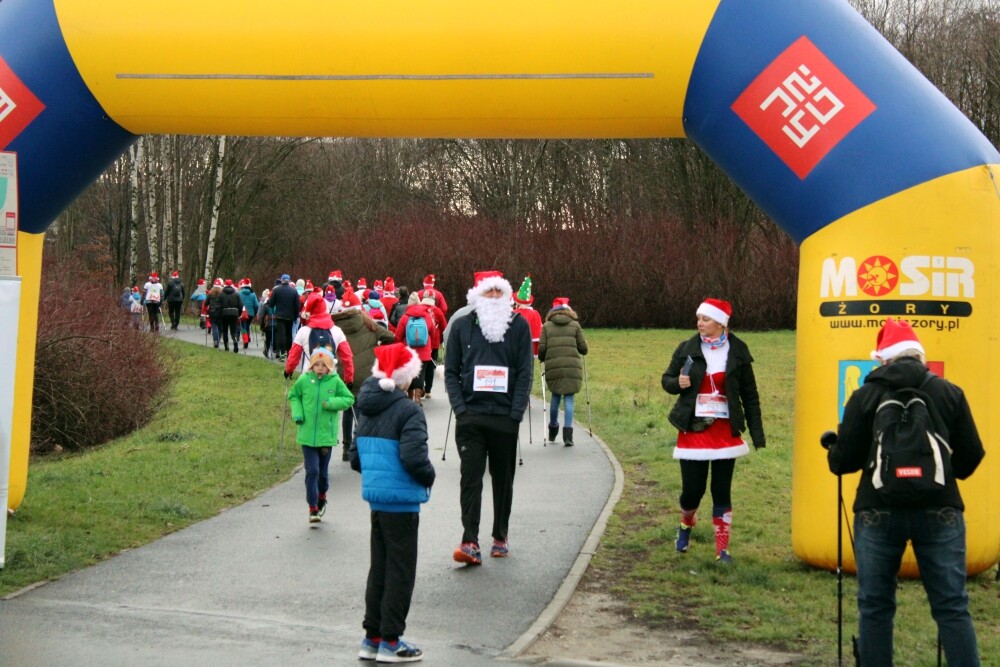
x=712 y=374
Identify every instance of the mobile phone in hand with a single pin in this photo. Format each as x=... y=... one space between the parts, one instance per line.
x=686 y=370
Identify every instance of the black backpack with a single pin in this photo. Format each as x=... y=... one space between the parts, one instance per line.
x=910 y=457
x=319 y=338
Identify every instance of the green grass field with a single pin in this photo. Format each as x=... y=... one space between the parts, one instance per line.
x=213 y=444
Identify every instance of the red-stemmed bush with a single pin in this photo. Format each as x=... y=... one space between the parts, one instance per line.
x=96 y=376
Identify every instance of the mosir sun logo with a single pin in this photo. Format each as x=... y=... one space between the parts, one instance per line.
x=802 y=106
x=916 y=275
x=18 y=105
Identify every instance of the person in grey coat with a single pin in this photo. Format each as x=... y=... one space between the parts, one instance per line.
x=561 y=348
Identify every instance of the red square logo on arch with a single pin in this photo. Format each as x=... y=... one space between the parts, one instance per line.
x=18 y=105
x=802 y=106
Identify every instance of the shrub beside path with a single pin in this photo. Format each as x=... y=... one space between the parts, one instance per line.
x=257 y=585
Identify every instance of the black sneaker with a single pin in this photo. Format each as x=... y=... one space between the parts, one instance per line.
x=398 y=651
x=321 y=506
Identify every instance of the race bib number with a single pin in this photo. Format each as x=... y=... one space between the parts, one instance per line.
x=711 y=405
x=490 y=378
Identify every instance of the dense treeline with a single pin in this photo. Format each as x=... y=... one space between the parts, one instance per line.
x=635 y=231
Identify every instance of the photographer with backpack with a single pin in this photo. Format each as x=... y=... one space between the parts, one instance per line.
x=911 y=434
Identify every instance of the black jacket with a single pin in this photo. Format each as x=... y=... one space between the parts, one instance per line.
x=230 y=299
x=741 y=387
x=285 y=301
x=467 y=348
x=855 y=438
x=174 y=291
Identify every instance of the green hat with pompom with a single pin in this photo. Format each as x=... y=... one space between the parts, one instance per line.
x=523 y=295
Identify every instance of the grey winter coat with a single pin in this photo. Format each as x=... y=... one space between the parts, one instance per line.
x=560 y=348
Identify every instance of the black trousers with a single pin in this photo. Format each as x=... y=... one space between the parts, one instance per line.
x=153 y=308
x=230 y=327
x=174 y=307
x=392 y=572
x=347 y=427
x=481 y=441
x=282 y=335
x=428 y=371
x=694 y=480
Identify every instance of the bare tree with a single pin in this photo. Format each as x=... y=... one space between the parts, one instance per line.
x=213 y=224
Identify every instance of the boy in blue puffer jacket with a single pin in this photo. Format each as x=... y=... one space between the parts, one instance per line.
x=390 y=452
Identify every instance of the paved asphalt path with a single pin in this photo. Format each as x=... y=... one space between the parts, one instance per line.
x=259 y=585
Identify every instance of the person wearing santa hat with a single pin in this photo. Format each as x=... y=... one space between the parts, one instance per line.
x=523 y=299
x=488 y=368
x=389 y=298
x=174 y=296
x=361 y=289
x=439 y=301
x=198 y=297
x=153 y=296
x=712 y=375
x=319 y=331
x=424 y=349
x=211 y=310
x=317 y=393
x=363 y=336
x=934 y=525
x=231 y=307
x=561 y=349
x=391 y=453
x=251 y=305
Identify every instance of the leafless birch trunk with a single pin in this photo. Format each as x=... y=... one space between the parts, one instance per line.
x=135 y=155
x=216 y=205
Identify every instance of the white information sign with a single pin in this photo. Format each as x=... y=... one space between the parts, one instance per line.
x=10 y=308
x=8 y=214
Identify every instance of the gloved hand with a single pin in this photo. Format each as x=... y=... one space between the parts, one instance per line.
x=299 y=420
x=288 y=374
x=350 y=385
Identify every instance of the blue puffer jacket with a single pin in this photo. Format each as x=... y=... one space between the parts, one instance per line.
x=391 y=450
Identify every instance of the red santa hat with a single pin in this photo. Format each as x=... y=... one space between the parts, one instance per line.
x=309 y=286
x=560 y=302
x=429 y=280
x=716 y=309
x=154 y=275
x=895 y=338
x=362 y=284
x=242 y=283
x=348 y=285
x=390 y=284
x=135 y=288
x=335 y=276
x=396 y=365
x=175 y=274
x=487 y=280
x=377 y=285
x=350 y=301
x=319 y=315
x=217 y=283
x=201 y=281
x=246 y=282
x=229 y=282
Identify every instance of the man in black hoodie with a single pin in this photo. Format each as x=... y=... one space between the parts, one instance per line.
x=174 y=296
x=232 y=308
x=488 y=378
x=934 y=524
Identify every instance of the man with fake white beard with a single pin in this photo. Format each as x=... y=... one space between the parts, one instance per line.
x=487 y=372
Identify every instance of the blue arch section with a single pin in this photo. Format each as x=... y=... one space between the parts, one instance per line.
x=72 y=139
x=915 y=133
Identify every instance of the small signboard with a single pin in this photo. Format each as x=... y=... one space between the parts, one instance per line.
x=8 y=214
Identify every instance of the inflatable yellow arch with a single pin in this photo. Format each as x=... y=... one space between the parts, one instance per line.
x=891 y=191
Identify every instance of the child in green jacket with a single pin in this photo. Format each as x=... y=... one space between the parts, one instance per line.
x=316 y=398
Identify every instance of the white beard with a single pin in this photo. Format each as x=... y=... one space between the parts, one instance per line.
x=494 y=317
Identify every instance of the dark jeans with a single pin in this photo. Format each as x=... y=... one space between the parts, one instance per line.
x=174 y=308
x=282 y=336
x=481 y=439
x=428 y=371
x=230 y=327
x=154 y=315
x=938 y=538
x=392 y=572
x=694 y=481
x=317 y=464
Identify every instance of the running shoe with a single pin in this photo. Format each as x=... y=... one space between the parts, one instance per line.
x=321 y=506
x=398 y=651
x=724 y=558
x=469 y=554
x=369 y=648
x=500 y=549
x=683 y=538
x=314 y=516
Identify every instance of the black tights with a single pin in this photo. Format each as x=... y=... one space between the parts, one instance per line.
x=694 y=480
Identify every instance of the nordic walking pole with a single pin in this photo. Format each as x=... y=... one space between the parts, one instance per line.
x=520 y=461
x=827 y=440
x=529 y=402
x=446 y=432
x=586 y=384
x=541 y=364
x=284 y=415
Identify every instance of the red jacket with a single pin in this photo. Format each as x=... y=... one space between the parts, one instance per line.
x=418 y=310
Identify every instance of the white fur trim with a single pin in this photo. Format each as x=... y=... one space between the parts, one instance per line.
x=708 y=310
x=405 y=374
x=893 y=351
x=697 y=454
x=488 y=284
